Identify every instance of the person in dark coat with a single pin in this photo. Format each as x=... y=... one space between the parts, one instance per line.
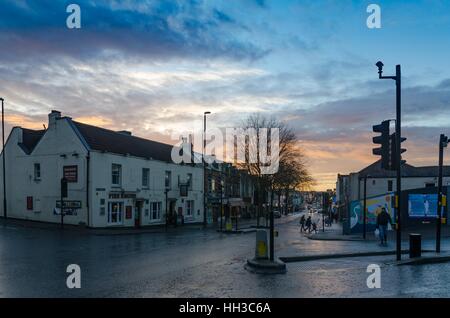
x=302 y=223
x=383 y=219
x=308 y=224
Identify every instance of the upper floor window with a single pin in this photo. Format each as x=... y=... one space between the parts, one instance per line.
x=116 y=174
x=189 y=180
x=37 y=171
x=168 y=180
x=145 y=177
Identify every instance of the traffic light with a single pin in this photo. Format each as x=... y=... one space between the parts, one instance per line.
x=385 y=141
x=394 y=152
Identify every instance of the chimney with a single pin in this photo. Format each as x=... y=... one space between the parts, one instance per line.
x=52 y=118
x=124 y=132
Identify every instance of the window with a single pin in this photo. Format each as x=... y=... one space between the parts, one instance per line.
x=145 y=177
x=168 y=179
x=37 y=171
x=430 y=185
x=213 y=185
x=116 y=174
x=189 y=180
x=374 y=182
x=29 y=203
x=189 y=207
x=115 y=212
x=155 y=210
x=390 y=185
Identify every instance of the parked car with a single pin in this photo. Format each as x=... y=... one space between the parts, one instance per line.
x=276 y=214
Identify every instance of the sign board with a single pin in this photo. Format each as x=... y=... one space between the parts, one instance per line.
x=128 y=212
x=122 y=195
x=422 y=205
x=69 y=207
x=70 y=173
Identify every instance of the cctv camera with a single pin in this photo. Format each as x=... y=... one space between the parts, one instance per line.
x=380 y=66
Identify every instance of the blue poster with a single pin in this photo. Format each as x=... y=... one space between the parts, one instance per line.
x=422 y=205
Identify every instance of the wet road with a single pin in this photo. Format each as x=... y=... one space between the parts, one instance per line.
x=196 y=263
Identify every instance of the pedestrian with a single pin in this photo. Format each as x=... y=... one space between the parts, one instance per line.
x=383 y=219
x=308 y=224
x=314 y=227
x=302 y=223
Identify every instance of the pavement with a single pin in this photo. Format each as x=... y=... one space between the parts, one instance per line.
x=196 y=262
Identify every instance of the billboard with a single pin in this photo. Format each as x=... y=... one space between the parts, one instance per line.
x=422 y=205
x=374 y=206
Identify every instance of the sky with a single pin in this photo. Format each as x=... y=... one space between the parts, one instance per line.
x=154 y=67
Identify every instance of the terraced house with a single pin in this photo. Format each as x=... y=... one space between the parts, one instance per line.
x=113 y=177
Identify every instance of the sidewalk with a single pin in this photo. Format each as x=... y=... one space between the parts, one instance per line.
x=81 y=229
x=335 y=233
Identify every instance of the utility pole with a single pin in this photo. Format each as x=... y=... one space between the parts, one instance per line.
x=443 y=142
x=365 y=208
x=271 y=237
x=5 y=213
x=204 y=168
x=398 y=149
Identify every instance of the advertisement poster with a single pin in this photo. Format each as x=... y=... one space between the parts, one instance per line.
x=374 y=206
x=422 y=205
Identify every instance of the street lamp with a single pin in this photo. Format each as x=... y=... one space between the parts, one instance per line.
x=398 y=140
x=443 y=142
x=5 y=214
x=204 y=167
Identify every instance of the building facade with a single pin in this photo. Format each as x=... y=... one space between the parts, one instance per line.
x=114 y=178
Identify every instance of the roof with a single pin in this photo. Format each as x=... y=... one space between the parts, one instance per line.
x=106 y=140
x=30 y=138
x=375 y=171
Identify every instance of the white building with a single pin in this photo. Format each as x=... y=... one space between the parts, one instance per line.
x=114 y=178
x=380 y=181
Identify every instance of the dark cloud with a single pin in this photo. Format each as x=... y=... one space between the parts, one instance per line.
x=152 y=29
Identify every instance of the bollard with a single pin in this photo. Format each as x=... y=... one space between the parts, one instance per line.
x=415 y=245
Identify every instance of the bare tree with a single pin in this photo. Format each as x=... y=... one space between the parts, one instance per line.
x=292 y=171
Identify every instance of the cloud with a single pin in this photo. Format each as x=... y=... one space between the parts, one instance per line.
x=159 y=30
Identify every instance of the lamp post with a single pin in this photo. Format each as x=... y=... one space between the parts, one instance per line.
x=5 y=213
x=204 y=167
x=398 y=139
x=443 y=142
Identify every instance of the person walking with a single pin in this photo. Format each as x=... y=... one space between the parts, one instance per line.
x=302 y=223
x=308 y=224
x=383 y=219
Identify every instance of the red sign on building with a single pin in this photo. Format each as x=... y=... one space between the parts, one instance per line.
x=71 y=173
x=128 y=212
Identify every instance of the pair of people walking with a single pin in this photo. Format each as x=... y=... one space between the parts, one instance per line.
x=307 y=225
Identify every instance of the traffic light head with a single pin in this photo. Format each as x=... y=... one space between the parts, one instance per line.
x=383 y=140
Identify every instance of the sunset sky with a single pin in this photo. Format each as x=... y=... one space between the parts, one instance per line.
x=154 y=67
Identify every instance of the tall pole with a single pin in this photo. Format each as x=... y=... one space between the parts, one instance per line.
x=442 y=140
x=221 y=199
x=5 y=213
x=365 y=208
x=398 y=136
x=204 y=168
x=271 y=236
x=398 y=139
